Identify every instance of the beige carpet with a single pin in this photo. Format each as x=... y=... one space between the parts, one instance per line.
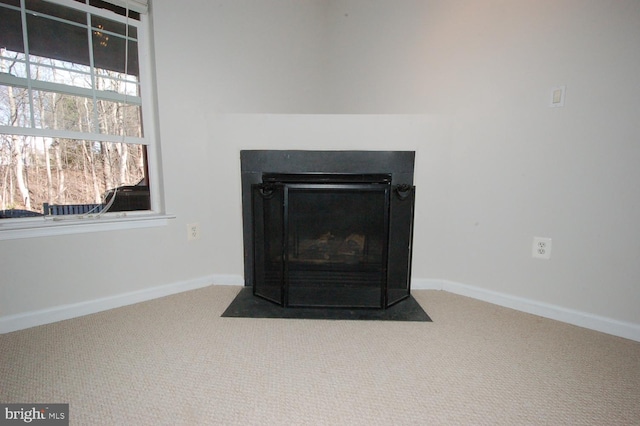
x=175 y=361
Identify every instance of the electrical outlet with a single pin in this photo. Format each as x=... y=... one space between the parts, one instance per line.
x=193 y=231
x=541 y=248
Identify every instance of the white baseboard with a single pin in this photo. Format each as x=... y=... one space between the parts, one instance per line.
x=582 y=319
x=611 y=326
x=17 y=322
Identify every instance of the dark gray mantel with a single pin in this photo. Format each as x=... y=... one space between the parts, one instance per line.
x=253 y=163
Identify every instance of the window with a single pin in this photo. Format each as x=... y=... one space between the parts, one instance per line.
x=76 y=132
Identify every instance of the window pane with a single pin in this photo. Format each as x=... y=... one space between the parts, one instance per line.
x=116 y=118
x=57 y=40
x=14 y=106
x=63 y=112
x=11 y=30
x=105 y=25
x=62 y=72
x=62 y=12
x=109 y=53
x=117 y=82
x=69 y=172
x=13 y=63
x=15 y=3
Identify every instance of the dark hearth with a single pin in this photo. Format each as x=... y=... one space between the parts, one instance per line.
x=328 y=229
x=246 y=305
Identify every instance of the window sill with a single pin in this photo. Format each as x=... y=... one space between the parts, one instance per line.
x=58 y=225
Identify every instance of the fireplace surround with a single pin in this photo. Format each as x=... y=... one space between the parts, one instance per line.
x=328 y=229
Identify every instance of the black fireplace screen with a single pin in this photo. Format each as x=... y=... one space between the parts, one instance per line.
x=323 y=240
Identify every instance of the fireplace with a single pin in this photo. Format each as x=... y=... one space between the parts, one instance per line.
x=328 y=229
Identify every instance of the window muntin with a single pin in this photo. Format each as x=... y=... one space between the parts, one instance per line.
x=82 y=95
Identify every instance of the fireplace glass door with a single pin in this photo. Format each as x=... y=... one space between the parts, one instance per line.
x=324 y=243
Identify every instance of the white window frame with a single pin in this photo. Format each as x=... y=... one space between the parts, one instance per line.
x=27 y=227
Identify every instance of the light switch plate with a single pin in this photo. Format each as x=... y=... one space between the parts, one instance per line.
x=557 y=96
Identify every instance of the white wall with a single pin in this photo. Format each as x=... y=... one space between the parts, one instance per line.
x=464 y=83
x=521 y=169
x=242 y=56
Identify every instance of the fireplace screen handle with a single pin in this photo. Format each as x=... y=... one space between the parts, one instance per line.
x=403 y=191
x=267 y=190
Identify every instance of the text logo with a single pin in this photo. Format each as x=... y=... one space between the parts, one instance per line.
x=36 y=414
